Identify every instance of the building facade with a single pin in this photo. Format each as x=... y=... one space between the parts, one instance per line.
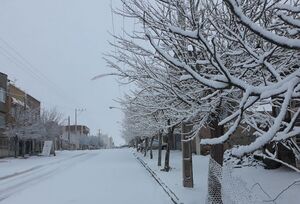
x=73 y=136
x=19 y=99
x=13 y=101
x=3 y=100
x=4 y=142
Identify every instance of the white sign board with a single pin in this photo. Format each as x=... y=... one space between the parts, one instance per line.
x=47 y=148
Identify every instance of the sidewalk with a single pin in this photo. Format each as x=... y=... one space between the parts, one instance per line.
x=173 y=179
x=265 y=184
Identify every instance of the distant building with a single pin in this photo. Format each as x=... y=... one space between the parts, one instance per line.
x=72 y=136
x=78 y=129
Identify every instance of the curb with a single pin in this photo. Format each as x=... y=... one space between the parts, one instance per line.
x=174 y=198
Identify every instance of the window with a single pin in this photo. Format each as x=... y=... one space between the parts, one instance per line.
x=3 y=143
x=2 y=95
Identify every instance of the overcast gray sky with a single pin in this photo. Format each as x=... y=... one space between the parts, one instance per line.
x=52 y=49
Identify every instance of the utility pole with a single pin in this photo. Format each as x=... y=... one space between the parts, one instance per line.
x=76 y=114
x=76 y=121
x=69 y=133
x=24 y=125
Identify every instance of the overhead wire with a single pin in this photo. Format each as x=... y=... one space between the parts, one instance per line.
x=42 y=102
x=22 y=63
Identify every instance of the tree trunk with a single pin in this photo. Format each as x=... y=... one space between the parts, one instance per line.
x=23 y=148
x=187 y=160
x=159 y=148
x=54 y=147
x=33 y=147
x=151 y=144
x=136 y=144
x=16 y=146
x=30 y=148
x=146 y=147
x=167 y=156
x=61 y=144
x=140 y=146
x=217 y=153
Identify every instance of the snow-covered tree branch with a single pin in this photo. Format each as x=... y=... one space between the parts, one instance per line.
x=208 y=58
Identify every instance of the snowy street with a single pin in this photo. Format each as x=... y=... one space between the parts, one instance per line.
x=150 y=102
x=117 y=176
x=104 y=176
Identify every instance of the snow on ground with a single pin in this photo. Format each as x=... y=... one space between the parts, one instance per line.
x=173 y=179
x=104 y=176
x=13 y=166
x=116 y=176
x=271 y=181
x=267 y=184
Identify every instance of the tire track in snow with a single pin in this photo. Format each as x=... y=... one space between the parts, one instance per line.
x=37 y=167
x=17 y=183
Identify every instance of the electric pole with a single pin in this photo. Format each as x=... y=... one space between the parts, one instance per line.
x=76 y=114
x=69 y=133
x=76 y=121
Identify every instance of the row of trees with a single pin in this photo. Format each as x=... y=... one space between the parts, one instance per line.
x=212 y=63
x=34 y=125
x=31 y=124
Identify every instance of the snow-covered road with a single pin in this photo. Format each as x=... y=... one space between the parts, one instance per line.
x=104 y=176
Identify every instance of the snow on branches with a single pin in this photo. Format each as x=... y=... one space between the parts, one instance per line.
x=31 y=124
x=196 y=60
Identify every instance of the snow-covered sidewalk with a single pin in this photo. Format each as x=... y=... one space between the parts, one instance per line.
x=173 y=178
x=257 y=179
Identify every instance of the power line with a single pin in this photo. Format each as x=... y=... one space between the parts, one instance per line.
x=27 y=66
x=41 y=101
x=30 y=66
x=16 y=61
